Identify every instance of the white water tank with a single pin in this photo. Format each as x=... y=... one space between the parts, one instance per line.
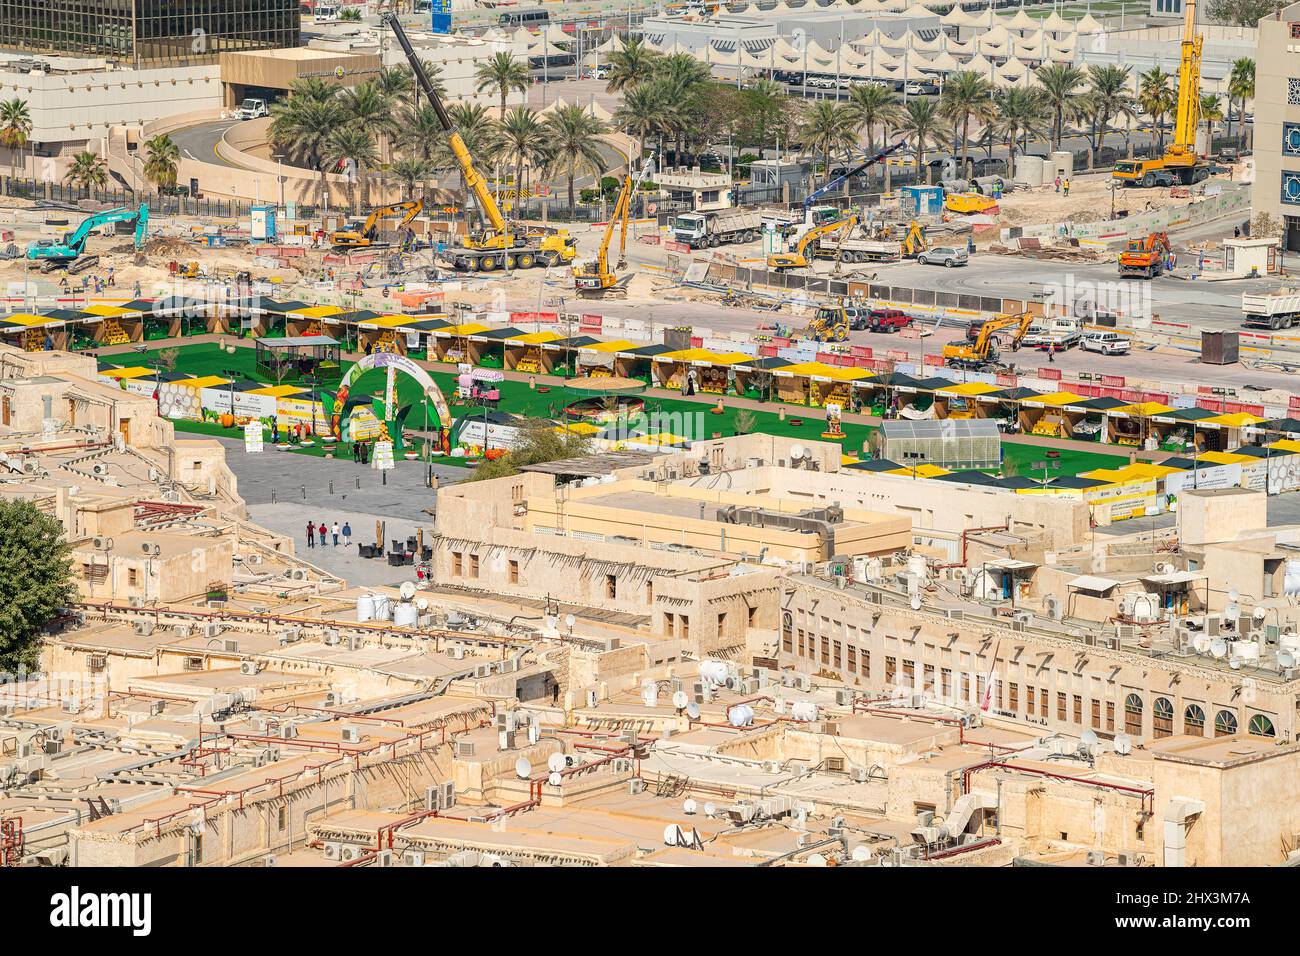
x=804 y=710
x=918 y=566
x=742 y=715
x=365 y=608
x=715 y=672
x=1140 y=606
x=383 y=607
x=1291 y=577
x=1029 y=170
x=406 y=614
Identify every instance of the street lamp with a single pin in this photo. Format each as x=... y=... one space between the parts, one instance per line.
x=279 y=160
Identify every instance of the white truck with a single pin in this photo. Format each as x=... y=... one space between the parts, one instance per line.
x=251 y=109
x=700 y=229
x=1270 y=310
x=858 y=249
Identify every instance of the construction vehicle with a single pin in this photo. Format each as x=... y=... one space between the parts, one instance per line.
x=815 y=216
x=699 y=229
x=798 y=258
x=1179 y=159
x=1145 y=257
x=829 y=324
x=69 y=253
x=1271 y=310
x=499 y=244
x=595 y=279
x=982 y=354
x=360 y=235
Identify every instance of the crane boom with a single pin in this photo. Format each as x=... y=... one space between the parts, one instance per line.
x=1189 y=87
x=838 y=180
x=474 y=181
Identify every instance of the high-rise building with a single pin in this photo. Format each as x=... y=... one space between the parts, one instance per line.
x=148 y=33
x=1277 y=123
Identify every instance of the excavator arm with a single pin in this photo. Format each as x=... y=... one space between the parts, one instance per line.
x=812 y=235
x=473 y=180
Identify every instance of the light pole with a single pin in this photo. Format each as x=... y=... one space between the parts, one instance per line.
x=279 y=160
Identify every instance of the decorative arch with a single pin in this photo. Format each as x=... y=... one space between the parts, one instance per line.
x=393 y=363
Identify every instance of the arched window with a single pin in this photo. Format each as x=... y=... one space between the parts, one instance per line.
x=1261 y=726
x=1225 y=723
x=1133 y=715
x=1194 y=721
x=1162 y=717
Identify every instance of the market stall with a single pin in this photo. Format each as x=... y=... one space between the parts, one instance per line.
x=524 y=353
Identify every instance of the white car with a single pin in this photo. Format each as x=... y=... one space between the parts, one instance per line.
x=1107 y=343
x=251 y=109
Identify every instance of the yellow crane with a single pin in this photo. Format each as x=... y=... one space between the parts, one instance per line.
x=593 y=279
x=983 y=352
x=359 y=235
x=780 y=261
x=1179 y=162
x=498 y=245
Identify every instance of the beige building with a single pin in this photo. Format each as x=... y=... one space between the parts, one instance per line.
x=1277 y=123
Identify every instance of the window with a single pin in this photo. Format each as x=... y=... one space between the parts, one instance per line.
x=722 y=622
x=1293 y=91
x=753 y=617
x=650 y=598
x=1291 y=139
x=514 y=572
x=802 y=648
x=457 y=566
x=945 y=683
x=1013 y=698
x=1110 y=715
x=927 y=677
x=1162 y=717
x=1096 y=715
x=1042 y=701
x=864 y=666
x=611 y=586
x=133 y=577
x=1029 y=700
x=281 y=817
x=787 y=641
x=686 y=628
x=835 y=654
x=853 y=659
x=1261 y=726
x=891 y=668
x=909 y=673
x=1225 y=723
x=1078 y=709
x=1133 y=715
x=1194 y=721
x=1060 y=705
x=473 y=565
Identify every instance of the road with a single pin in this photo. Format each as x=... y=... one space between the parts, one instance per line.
x=200 y=142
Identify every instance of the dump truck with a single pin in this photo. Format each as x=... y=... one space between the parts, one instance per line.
x=858 y=249
x=1270 y=310
x=700 y=229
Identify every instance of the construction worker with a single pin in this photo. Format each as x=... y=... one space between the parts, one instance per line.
x=1065 y=186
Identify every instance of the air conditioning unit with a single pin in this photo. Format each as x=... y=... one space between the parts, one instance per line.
x=288 y=731
x=859 y=774
x=230 y=647
x=954 y=614
x=350 y=735
x=621 y=765
x=457 y=652
x=212 y=629
x=334 y=851
x=184 y=630
x=248 y=668
x=771 y=766
x=144 y=628
x=483 y=670
x=349 y=853
x=330 y=637
x=355 y=642
x=413 y=858
x=384 y=858
x=635 y=785
x=1126 y=859
x=844 y=697
x=1096 y=858
x=464 y=748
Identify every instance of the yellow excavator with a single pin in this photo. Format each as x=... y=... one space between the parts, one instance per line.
x=595 y=279
x=983 y=352
x=830 y=324
x=499 y=245
x=780 y=261
x=360 y=235
x=1179 y=162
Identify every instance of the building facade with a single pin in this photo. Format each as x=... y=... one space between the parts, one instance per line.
x=1277 y=122
x=148 y=32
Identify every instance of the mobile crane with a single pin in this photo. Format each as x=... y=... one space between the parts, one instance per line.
x=498 y=245
x=983 y=352
x=360 y=235
x=594 y=279
x=1179 y=162
x=69 y=252
x=798 y=258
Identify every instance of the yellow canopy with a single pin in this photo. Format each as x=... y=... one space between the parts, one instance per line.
x=968 y=388
x=278 y=391
x=1286 y=444
x=207 y=381
x=617 y=345
x=535 y=338
x=919 y=471
x=390 y=321
x=1144 y=409
x=316 y=311
x=684 y=355
x=110 y=311
x=1059 y=398
x=28 y=319
x=1226 y=458
x=1233 y=420
x=469 y=328
x=135 y=371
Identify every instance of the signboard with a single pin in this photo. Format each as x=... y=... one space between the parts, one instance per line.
x=245 y=404
x=253 y=437
x=441 y=16
x=499 y=435
x=383 y=456
x=1213 y=476
x=298 y=411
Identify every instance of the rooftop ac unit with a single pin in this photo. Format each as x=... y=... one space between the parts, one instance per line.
x=351 y=735
x=413 y=858
x=1096 y=858
x=248 y=668
x=144 y=628
x=622 y=765
x=483 y=670
x=844 y=697
x=288 y=731
x=635 y=785
x=349 y=853
x=354 y=642
x=212 y=629
x=334 y=851
x=384 y=858
x=464 y=748
x=330 y=637
x=230 y=647
x=859 y=774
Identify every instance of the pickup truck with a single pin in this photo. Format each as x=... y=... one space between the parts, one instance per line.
x=1270 y=310
x=878 y=320
x=700 y=229
x=251 y=109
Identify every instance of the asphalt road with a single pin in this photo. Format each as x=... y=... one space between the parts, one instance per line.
x=200 y=142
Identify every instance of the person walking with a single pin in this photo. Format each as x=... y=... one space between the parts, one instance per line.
x=335 y=532
x=1065 y=187
x=347 y=535
x=1051 y=352
x=356 y=452
x=322 y=532
x=1058 y=184
x=311 y=534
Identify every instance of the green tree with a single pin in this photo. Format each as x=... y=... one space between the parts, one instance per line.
x=351 y=144
x=640 y=114
x=162 y=159
x=350 y=14
x=302 y=125
x=827 y=128
x=874 y=105
x=522 y=143
x=1211 y=112
x=35 y=580
x=397 y=83
x=1021 y=112
x=572 y=136
x=15 y=128
x=1243 y=13
x=422 y=132
x=412 y=173
x=366 y=109
x=630 y=66
x=1241 y=87
x=923 y=122
x=1108 y=98
x=87 y=171
x=538 y=442
x=1060 y=83
x=479 y=132
x=1156 y=97
x=502 y=73
x=765 y=104
x=966 y=96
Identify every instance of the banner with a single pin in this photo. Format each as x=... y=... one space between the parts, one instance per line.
x=253 y=437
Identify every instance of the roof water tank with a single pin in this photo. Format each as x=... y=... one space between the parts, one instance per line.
x=742 y=715
x=383 y=608
x=366 y=608
x=1291 y=578
x=804 y=710
x=715 y=672
x=405 y=614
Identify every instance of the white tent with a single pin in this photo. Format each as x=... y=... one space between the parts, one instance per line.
x=522 y=36
x=920 y=43
x=868 y=7
x=1023 y=21
x=556 y=35
x=957 y=17
x=980 y=66
x=984 y=18
x=1030 y=48
x=894 y=6
x=960 y=47
x=916 y=10
x=990 y=45
x=1089 y=24
x=613 y=45
x=945 y=63
x=1055 y=23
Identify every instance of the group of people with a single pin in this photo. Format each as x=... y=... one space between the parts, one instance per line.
x=324 y=533
x=361 y=451
x=92 y=282
x=1063 y=185
x=294 y=433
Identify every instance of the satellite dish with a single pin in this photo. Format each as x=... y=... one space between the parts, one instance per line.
x=569 y=621
x=688 y=807
x=915 y=601
x=556 y=762
x=1259 y=614
x=550 y=621
x=710 y=809
x=1089 y=738
x=1123 y=744
x=1234 y=662
x=1285 y=659
x=797 y=452
x=860 y=854
x=523 y=769
x=1219 y=647
x=555 y=779
x=407 y=590
x=422 y=605
x=1233 y=595
x=693 y=710
x=680 y=700
x=1201 y=643
x=816 y=860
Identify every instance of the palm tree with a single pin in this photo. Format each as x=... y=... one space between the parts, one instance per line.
x=312 y=88
x=640 y=114
x=630 y=66
x=397 y=83
x=1156 y=97
x=1021 y=111
x=872 y=105
x=966 y=96
x=1212 y=113
x=571 y=135
x=1241 y=87
x=923 y=121
x=503 y=73
x=422 y=131
x=351 y=143
x=366 y=108
x=478 y=131
x=301 y=127
x=15 y=128
x=1060 y=82
x=767 y=101
x=411 y=172
x=87 y=171
x=162 y=158
x=827 y=127
x=522 y=142
x=1108 y=98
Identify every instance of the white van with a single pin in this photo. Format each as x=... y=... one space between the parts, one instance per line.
x=1107 y=343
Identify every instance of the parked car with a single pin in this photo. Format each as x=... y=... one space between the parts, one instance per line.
x=598 y=73
x=878 y=320
x=1228 y=154
x=1107 y=343
x=944 y=256
x=251 y=109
